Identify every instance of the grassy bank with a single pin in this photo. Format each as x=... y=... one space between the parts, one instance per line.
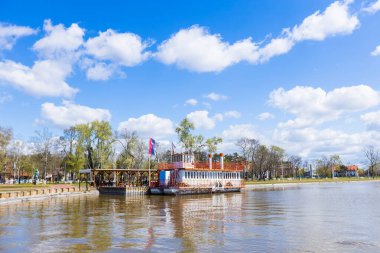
x=311 y=180
x=30 y=186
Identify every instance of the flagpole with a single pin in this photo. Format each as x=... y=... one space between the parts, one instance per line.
x=149 y=171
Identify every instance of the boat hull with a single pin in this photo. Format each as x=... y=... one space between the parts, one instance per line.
x=191 y=190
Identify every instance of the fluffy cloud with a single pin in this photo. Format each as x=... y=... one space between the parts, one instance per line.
x=373 y=7
x=148 y=125
x=191 y=101
x=215 y=96
x=70 y=114
x=109 y=50
x=235 y=132
x=197 y=50
x=100 y=71
x=276 y=47
x=315 y=105
x=10 y=33
x=45 y=78
x=59 y=42
x=201 y=119
x=376 y=52
x=336 y=19
x=265 y=116
x=312 y=143
x=126 y=49
x=372 y=120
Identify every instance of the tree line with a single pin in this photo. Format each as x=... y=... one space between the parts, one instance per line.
x=94 y=145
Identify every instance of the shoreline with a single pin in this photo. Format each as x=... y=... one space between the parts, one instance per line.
x=13 y=199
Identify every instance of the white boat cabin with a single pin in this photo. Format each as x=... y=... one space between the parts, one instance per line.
x=186 y=173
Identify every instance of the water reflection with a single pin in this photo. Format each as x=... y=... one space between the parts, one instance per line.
x=308 y=218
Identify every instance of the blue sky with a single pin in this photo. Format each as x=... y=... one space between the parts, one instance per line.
x=303 y=75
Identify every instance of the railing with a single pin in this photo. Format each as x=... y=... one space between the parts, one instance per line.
x=205 y=166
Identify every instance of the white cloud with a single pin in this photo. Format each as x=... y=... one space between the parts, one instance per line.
x=45 y=78
x=315 y=105
x=201 y=119
x=336 y=19
x=215 y=96
x=191 y=101
x=312 y=143
x=148 y=125
x=373 y=7
x=195 y=49
x=126 y=49
x=232 y=114
x=376 y=52
x=372 y=120
x=70 y=114
x=9 y=34
x=265 y=116
x=100 y=71
x=59 y=42
x=276 y=47
x=234 y=132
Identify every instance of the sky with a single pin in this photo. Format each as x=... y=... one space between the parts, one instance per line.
x=302 y=75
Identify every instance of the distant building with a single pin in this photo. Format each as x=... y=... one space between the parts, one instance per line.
x=346 y=171
x=352 y=171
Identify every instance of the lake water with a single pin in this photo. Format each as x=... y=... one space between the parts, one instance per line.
x=331 y=217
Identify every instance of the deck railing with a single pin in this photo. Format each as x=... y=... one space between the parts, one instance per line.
x=230 y=166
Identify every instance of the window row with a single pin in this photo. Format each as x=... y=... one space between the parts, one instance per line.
x=211 y=175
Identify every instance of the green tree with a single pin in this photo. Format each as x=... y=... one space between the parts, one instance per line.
x=134 y=149
x=96 y=140
x=5 y=138
x=73 y=151
x=195 y=143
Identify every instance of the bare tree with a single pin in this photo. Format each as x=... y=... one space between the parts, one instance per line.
x=44 y=143
x=16 y=152
x=372 y=155
x=295 y=164
x=248 y=148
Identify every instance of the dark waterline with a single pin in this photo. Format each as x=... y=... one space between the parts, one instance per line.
x=334 y=217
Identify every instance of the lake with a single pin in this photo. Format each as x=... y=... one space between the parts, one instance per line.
x=328 y=217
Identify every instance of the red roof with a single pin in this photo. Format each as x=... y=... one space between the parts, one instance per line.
x=352 y=167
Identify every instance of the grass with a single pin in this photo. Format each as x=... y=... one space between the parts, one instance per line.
x=29 y=186
x=310 y=180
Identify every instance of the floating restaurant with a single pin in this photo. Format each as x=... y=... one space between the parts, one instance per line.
x=182 y=176
x=185 y=176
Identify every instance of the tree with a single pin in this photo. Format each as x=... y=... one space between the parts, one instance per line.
x=260 y=161
x=295 y=164
x=15 y=152
x=184 y=134
x=5 y=137
x=325 y=165
x=248 y=149
x=195 y=143
x=322 y=166
x=274 y=163
x=73 y=152
x=96 y=140
x=133 y=150
x=44 y=143
x=372 y=155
